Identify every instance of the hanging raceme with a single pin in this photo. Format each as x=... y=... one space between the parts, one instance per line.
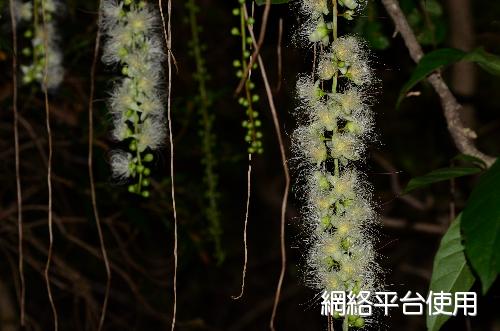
x=249 y=99
x=207 y=134
x=133 y=43
x=334 y=107
x=30 y=15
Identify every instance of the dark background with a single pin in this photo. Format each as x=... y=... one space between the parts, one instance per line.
x=139 y=232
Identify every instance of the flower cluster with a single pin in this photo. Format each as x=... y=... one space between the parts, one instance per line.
x=330 y=146
x=38 y=16
x=134 y=45
x=249 y=99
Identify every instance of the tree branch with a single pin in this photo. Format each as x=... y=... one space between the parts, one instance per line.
x=462 y=136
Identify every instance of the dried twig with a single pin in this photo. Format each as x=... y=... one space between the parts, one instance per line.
x=462 y=136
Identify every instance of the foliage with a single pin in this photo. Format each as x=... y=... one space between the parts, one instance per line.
x=439 y=175
x=481 y=227
x=437 y=59
x=451 y=272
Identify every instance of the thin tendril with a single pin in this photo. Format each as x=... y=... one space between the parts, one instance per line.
x=17 y=157
x=91 y=172
x=245 y=262
x=49 y=169
x=167 y=30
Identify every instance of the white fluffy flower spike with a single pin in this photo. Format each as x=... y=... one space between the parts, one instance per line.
x=37 y=17
x=133 y=44
x=329 y=145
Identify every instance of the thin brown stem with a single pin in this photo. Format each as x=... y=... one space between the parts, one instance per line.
x=167 y=30
x=279 y=54
x=287 y=180
x=49 y=168
x=245 y=261
x=17 y=162
x=91 y=171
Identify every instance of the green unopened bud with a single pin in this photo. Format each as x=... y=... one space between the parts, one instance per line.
x=148 y=157
x=359 y=323
x=145 y=194
x=146 y=172
x=346 y=243
x=325 y=222
x=235 y=31
x=352 y=127
x=122 y=52
x=133 y=146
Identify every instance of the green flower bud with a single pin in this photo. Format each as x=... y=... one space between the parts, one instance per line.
x=235 y=31
x=132 y=188
x=359 y=323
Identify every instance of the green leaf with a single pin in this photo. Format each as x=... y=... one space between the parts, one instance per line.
x=439 y=175
x=428 y=64
x=471 y=160
x=485 y=60
x=439 y=58
x=273 y=2
x=451 y=272
x=481 y=227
